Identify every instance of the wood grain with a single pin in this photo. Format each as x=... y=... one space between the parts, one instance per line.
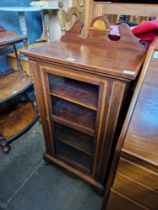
x=118 y=201
x=142 y=135
x=141 y=171
x=90 y=54
x=16 y=119
x=94 y=9
x=135 y=191
x=12 y=84
x=138 y=174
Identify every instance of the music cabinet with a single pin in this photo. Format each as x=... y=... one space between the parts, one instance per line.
x=81 y=86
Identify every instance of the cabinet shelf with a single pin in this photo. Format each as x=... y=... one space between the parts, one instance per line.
x=80 y=93
x=74 y=116
x=77 y=140
x=73 y=125
x=73 y=156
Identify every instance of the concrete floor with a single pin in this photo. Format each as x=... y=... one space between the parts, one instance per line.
x=26 y=183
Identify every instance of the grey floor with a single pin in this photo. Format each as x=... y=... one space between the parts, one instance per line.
x=26 y=183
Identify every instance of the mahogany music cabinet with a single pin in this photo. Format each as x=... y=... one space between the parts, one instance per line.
x=81 y=85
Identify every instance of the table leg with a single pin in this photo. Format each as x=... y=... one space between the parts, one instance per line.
x=17 y=58
x=47 y=24
x=4 y=145
x=22 y=23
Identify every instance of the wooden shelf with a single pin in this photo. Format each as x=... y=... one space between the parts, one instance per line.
x=80 y=93
x=73 y=156
x=13 y=84
x=74 y=116
x=77 y=140
x=17 y=119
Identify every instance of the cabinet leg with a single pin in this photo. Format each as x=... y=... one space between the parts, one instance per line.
x=4 y=145
x=46 y=161
x=98 y=191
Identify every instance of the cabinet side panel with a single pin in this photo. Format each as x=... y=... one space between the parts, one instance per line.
x=41 y=106
x=118 y=92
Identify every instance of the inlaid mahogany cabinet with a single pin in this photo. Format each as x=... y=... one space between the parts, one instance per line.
x=81 y=85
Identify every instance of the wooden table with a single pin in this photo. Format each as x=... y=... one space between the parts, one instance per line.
x=16 y=116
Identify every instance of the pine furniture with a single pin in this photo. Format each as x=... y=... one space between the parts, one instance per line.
x=136 y=12
x=81 y=86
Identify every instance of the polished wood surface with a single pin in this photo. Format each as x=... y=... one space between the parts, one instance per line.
x=137 y=173
x=118 y=201
x=81 y=87
x=12 y=84
x=16 y=119
x=89 y=53
x=142 y=136
x=9 y=37
x=135 y=183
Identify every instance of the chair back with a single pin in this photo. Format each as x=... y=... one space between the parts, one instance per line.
x=67 y=18
x=119 y=12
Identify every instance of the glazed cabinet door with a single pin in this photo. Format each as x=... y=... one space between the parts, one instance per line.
x=74 y=108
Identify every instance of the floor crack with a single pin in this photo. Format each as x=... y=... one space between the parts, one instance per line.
x=23 y=184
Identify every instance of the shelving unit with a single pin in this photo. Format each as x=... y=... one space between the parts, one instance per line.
x=17 y=110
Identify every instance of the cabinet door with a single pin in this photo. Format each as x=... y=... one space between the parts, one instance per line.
x=74 y=106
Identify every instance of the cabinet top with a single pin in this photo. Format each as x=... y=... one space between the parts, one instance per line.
x=97 y=53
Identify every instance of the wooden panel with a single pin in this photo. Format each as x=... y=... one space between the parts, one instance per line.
x=135 y=191
x=138 y=174
x=142 y=136
x=40 y=100
x=118 y=201
x=93 y=9
x=125 y=9
x=111 y=113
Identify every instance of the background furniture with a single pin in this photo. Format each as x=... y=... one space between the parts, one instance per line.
x=135 y=12
x=135 y=185
x=23 y=23
x=81 y=88
x=16 y=114
x=67 y=19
